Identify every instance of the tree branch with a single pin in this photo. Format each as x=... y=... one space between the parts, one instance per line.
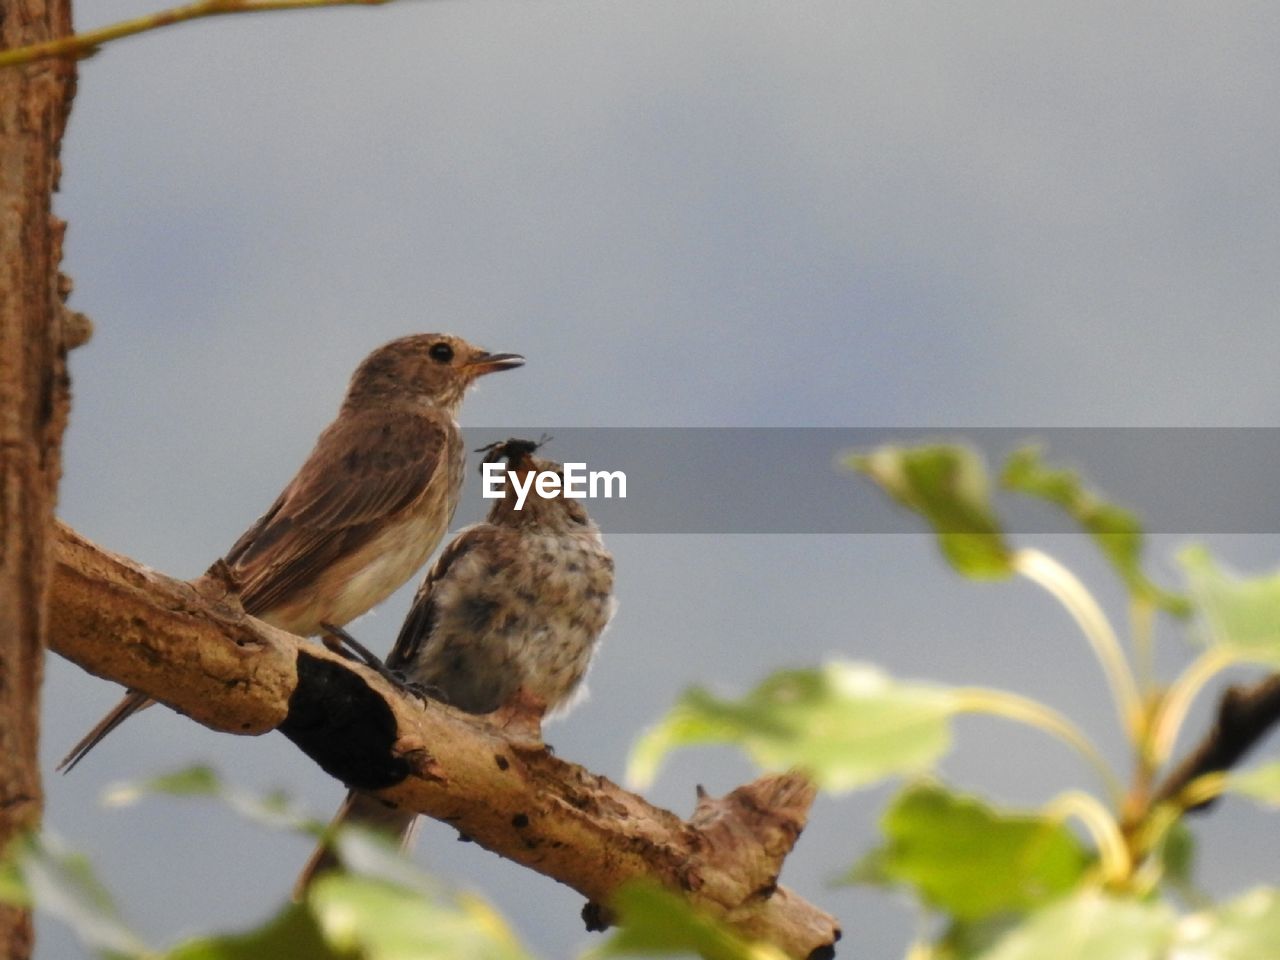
x=86 y=44
x=190 y=645
x=1245 y=714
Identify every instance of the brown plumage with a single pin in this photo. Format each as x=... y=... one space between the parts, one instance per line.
x=504 y=623
x=369 y=505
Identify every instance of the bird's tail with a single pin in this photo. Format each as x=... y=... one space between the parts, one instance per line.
x=133 y=701
x=364 y=810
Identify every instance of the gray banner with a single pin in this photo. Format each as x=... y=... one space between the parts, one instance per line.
x=789 y=480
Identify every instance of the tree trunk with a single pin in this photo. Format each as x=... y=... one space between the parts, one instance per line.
x=34 y=400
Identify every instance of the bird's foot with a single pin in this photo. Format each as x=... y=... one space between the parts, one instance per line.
x=421 y=691
x=345 y=645
x=337 y=640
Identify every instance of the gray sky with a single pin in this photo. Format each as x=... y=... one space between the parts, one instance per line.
x=683 y=214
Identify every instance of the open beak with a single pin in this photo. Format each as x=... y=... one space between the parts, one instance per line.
x=517 y=453
x=492 y=362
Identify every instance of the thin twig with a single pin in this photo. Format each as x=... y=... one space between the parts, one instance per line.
x=1012 y=706
x=80 y=45
x=1040 y=568
x=1113 y=854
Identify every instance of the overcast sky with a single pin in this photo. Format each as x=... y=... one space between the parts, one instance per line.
x=684 y=214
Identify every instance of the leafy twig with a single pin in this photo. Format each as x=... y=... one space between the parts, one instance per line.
x=1011 y=706
x=1113 y=855
x=1043 y=569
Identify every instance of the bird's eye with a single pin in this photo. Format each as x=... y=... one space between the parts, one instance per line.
x=440 y=352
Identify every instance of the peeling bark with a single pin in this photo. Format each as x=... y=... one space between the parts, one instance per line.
x=191 y=647
x=34 y=400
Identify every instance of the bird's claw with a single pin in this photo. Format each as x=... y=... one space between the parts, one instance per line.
x=419 y=690
x=341 y=642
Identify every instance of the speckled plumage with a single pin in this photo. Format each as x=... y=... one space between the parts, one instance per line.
x=517 y=601
x=513 y=609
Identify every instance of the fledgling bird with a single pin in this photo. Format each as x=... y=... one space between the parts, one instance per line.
x=369 y=505
x=504 y=623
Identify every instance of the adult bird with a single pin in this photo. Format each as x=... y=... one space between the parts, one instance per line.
x=367 y=508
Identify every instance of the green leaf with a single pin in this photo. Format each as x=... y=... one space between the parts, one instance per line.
x=969 y=938
x=1094 y=926
x=656 y=922
x=846 y=724
x=873 y=869
x=274 y=810
x=357 y=918
x=1247 y=928
x=969 y=860
x=1238 y=612
x=61 y=882
x=291 y=935
x=372 y=854
x=1178 y=857
x=1116 y=531
x=197 y=781
x=391 y=911
x=1089 y=926
x=13 y=889
x=373 y=920
x=948 y=486
x=1260 y=783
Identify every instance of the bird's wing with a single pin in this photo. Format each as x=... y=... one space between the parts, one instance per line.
x=364 y=469
x=481 y=541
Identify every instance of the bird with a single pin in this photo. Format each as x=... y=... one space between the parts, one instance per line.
x=367 y=508
x=504 y=623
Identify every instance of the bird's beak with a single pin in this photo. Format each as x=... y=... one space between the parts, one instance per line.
x=492 y=362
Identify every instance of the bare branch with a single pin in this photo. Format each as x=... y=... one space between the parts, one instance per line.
x=190 y=646
x=86 y=44
x=1245 y=714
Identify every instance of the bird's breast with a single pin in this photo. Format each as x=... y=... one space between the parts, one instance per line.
x=525 y=613
x=365 y=578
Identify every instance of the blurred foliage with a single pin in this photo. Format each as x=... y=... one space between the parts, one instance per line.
x=42 y=870
x=845 y=724
x=970 y=860
x=1116 y=531
x=1238 y=612
x=1011 y=885
x=1260 y=783
x=655 y=922
x=1089 y=925
x=948 y=486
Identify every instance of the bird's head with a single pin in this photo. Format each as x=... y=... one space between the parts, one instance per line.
x=433 y=368
x=553 y=509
